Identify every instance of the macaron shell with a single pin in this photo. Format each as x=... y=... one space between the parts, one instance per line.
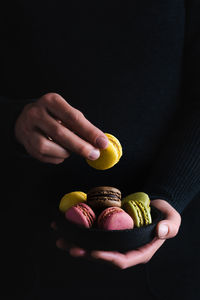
x=133 y=210
x=89 y=210
x=145 y=212
x=116 y=143
x=104 y=196
x=105 y=190
x=81 y=214
x=139 y=196
x=109 y=156
x=70 y=199
x=115 y=219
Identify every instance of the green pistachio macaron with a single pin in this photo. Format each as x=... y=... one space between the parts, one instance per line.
x=139 y=196
x=145 y=212
x=137 y=205
x=134 y=211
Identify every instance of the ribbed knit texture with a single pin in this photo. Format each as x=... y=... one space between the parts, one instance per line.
x=134 y=71
x=176 y=175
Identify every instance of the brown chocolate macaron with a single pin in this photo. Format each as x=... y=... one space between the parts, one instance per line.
x=104 y=196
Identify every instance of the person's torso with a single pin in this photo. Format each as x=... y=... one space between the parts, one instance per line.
x=120 y=64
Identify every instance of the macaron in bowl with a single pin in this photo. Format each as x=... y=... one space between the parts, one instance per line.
x=99 y=223
x=137 y=205
x=94 y=238
x=70 y=199
x=81 y=214
x=114 y=218
x=102 y=197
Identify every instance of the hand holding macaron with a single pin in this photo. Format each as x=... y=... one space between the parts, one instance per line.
x=50 y=129
x=167 y=228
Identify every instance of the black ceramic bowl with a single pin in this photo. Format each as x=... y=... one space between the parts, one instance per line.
x=98 y=239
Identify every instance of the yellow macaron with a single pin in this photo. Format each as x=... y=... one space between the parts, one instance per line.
x=70 y=199
x=109 y=156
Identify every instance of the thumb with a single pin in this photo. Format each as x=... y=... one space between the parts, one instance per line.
x=168 y=227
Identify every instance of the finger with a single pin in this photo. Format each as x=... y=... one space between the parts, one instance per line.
x=63 y=245
x=54 y=226
x=77 y=252
x=47 y=147
x=73 y=250
x=75 y=120
x=66 y=138
x=44 y=159
x=116 y=258
x=168 y=227
x=131 y=258
x=38 y=147
x=143 y=254
x=50 y=160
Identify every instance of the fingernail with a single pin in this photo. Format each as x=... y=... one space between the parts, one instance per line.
x=101 y=142
x=60 y=244
x=162 y=231
x=54 y=226
x=102 y=254
x=82 y=252
x=76 y=252
x=94 y=154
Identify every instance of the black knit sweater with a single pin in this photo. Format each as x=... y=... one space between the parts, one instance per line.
x=133 y=69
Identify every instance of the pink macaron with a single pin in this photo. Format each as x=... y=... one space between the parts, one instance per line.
x=114 y=218
x=81 y=214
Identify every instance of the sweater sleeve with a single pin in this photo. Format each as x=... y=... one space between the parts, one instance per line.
x=175 y=176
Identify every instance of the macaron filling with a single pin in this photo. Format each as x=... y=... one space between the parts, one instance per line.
x=147 y=217
x=104 y=195
x=116 y=145
x=133 y=210
x=104 y=198
x=139 y=213
x=87 y=213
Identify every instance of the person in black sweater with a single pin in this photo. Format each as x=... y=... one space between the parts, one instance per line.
x=50 y=129
x=71 y=72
